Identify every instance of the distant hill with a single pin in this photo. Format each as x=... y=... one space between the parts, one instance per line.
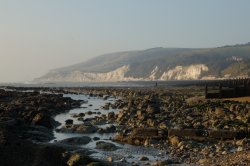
x=158 y=64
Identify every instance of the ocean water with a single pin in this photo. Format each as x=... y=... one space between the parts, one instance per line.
x=109 y=84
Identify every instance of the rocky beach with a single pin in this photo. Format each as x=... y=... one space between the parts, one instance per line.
x=121 y=126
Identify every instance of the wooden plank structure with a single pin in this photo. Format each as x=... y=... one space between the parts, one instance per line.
x=239 y=87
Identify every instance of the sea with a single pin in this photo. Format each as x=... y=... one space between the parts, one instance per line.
x=120 y=84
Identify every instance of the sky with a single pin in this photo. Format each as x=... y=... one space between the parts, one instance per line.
x=37 y=36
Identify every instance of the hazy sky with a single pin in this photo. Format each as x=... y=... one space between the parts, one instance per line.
x=39 y=35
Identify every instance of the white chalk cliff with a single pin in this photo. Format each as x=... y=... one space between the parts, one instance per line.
x=77 y=76
x=191 y=72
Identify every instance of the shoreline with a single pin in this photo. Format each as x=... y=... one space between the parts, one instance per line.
x=157 y=101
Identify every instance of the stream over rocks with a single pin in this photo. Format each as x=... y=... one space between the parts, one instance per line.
x=92 y=126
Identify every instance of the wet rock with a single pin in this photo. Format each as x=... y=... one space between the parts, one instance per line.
x=143 y=158
x=106 y=106
x=99 y=121
x=7 y=121
x=43 y=120
x=89 y=113
x=106 y=146
x=38 y=133
x=110 y=129
x=69 y=122
x=76 y=140
x=105 y=97
x=86 y=129
x=81 y=114
x=111 y=115
x=96 y=138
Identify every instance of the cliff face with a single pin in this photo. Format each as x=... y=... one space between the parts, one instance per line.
x=191 y=72
x=158 y=64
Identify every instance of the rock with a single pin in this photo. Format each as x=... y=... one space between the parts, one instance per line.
x=7 y=121
x=106 y=106
x=163 y=125
x=76 y=140
x=86 y=129
x=147 y=142
x=99 y=122
x=121 y=115
x=42 y=119
x=96 y=138
x=143 y=158
x=111 y=115
x=241 y=142
x=83 y=128
x=174 y=140
x=74 y=160
x=69 y=122
x=123 y=160
x=239 y=149
x=109 y=159
x=219 y=111
x=151 y=122
x=80 y=119
x=109 y=129
x=203 y=161
x=106 y=146
x=78 y=159
x=151 y=110
x=105 y=97
x=89 y=113
x=160 y=163
x=95 y=164
x=81 y=114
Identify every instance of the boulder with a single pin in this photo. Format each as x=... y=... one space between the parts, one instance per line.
x=143 y=158
x=42 y=119
x=77 y=159
x=106 y=146
x=69 y=122
x=86 y=129
x=76 y=140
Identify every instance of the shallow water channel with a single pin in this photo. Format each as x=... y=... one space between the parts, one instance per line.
x=126 y=153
